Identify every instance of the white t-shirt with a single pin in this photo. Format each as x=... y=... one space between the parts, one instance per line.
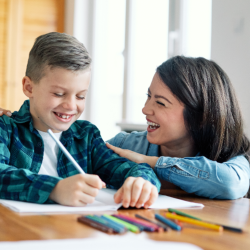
x=49 y=164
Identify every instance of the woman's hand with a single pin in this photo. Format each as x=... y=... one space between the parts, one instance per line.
x=130 y=155
x=133 y=156
x=136 y=192
x=5 y=112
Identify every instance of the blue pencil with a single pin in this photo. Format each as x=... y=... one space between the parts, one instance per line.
x=168 y=222
x=114 y=223
x=105 y=223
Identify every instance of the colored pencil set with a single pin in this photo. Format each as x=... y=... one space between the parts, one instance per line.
x=120 y=223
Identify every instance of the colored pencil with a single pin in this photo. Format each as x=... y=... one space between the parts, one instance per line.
x=95 y=225
x=194 y=222
x=235 y=229
x=106 y=223
x=114 y=223
x=168 y=222
x=153 y=222
x=181 y=213
x=143 y=222
x=132 y=221
x=129 y=226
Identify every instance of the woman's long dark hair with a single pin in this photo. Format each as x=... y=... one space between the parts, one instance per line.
x=212 y=114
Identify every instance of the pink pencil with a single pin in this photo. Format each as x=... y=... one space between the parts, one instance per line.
x=142 y=222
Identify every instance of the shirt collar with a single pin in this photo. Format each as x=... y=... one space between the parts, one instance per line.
x=23 y=115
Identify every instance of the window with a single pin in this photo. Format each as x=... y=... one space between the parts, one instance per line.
x=127 y=40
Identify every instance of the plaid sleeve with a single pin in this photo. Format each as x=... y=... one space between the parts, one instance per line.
x=114 y=169
x=20 y=183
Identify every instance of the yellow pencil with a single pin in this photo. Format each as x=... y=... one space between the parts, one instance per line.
x=194 y=222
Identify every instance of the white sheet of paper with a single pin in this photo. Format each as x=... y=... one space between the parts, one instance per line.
x=108 y=242
x=104 y=202
x=164 y=201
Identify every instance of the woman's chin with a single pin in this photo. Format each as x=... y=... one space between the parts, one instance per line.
x=152 y=139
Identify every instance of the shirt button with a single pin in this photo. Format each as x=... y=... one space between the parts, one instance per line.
x=164 y=164
x=39 y=144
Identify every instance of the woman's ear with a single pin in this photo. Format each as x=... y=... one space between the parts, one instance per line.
x=27 y=86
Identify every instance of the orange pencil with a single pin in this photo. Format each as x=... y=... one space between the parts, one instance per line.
x=194 y=222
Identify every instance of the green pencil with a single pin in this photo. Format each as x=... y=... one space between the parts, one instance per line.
x=129 y=226
x=181 y=213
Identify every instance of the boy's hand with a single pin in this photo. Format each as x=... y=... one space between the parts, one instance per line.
x=5 y=112
x=136 y=192
x=78 y=190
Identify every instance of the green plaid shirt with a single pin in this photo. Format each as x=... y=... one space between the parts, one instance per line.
x=21 y=155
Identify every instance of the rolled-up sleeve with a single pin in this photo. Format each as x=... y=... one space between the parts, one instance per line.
x=199 y=175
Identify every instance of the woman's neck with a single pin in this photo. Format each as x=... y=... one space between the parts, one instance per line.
x=179 y=151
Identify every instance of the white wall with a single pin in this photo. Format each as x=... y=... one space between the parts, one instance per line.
x=230 y=47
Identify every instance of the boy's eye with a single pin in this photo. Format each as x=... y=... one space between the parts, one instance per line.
x=148 y=95
x=81 y=97
x=160 y=103
x=58 y=94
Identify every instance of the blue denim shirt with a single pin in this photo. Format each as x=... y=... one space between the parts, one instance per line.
x=199 y=175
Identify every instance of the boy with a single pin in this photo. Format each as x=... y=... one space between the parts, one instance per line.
x=32 y=168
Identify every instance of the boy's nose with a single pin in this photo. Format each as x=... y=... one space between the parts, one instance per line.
x=70 y=104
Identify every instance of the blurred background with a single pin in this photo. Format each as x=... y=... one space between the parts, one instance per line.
x=127 y=40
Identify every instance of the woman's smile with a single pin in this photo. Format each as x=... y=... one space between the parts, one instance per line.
x=152 y=126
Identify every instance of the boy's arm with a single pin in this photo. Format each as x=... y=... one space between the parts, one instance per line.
x=119 y=172
x=114 y=170
x=20 y=183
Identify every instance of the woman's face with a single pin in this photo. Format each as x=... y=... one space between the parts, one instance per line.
x=164 y=114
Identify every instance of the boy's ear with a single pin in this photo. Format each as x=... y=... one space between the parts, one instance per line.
x=27 y=86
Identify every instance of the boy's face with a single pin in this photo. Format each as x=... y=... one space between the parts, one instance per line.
x=58 y=99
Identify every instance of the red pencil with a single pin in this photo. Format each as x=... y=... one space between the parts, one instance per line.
x=141 y=222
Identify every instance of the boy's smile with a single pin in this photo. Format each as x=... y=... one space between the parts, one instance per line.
x=58 y=99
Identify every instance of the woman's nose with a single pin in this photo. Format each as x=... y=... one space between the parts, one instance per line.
x=147 y=109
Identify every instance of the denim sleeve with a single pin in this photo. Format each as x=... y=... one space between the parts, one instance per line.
x=118 y=140
x=114 y=169
x=207 y=178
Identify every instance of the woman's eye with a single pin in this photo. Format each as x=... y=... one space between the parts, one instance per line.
x=148 y=95
x=160 y=103
x=58 y=94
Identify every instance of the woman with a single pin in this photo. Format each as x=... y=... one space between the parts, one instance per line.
x=195 y=134
x=195 y=137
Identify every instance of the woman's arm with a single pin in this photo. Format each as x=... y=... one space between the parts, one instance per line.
x=199 y=175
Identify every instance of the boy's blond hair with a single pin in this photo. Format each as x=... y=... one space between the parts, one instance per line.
x=56 y=50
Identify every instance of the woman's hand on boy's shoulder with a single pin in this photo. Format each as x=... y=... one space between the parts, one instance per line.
x=5 y=112
x=136 y=192
x=134 y=156
x=126 y=153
